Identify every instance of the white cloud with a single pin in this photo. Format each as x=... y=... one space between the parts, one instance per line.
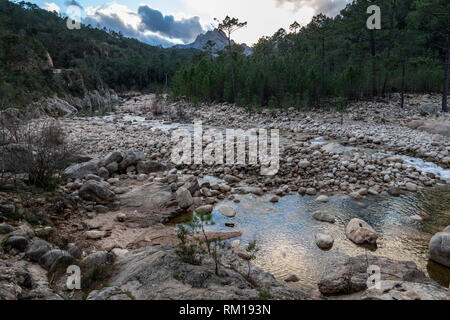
x=52 y=7
x=264 y=17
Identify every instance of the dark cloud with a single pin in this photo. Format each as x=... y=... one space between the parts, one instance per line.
x=114 y=22
x=75 y=3
x=327 y=7
x=185 y=29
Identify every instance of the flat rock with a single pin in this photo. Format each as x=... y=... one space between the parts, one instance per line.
x=227 y=211
x=324 y=217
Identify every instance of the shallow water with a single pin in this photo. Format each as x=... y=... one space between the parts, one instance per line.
x=285 y=231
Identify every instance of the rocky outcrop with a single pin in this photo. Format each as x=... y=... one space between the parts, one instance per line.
x=24 y=281
x=99 y=101
x=353 y=275
x=440 y=247
x=155 y=273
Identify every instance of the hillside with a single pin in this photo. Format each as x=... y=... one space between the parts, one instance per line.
x=41 y=57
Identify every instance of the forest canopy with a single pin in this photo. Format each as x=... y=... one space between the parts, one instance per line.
x=331 y=58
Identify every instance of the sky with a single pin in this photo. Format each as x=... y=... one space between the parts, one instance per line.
x=169 y=22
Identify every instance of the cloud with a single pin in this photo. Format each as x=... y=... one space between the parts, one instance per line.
x=185 y=29
x=75 y=3
x=327 y=7
x=121 y=19
x=52 y=7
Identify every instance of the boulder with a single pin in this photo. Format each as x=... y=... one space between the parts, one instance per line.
x=98 y=259
x=231 y=179
x=37 y=249
x=97 y=191
x=440 y=247
x=131 y=158
x=8 y=210
x=360 y=232
x=56 y=258
x=429 y=109
x=81 y=170
x=207 y=209
x=114 y=156
x=184 y=198
x=76 y=252
x=147 y=167
x=19 y=243
x=227 y=211
x=324 y=241
x=6 y=228
x=352 y=276
x=324 y=216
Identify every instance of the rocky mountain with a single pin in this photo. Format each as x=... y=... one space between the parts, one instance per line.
x=216 y=36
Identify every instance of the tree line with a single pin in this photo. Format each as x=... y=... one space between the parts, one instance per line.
x=331 y=60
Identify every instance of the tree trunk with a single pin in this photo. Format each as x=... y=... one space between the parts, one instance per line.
x=391 y=36
x=447 y=62
x=372 y=52
x=402 y=103
x=323 y=65
x=232 y=67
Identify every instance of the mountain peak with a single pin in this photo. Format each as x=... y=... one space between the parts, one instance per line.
x=218 y=37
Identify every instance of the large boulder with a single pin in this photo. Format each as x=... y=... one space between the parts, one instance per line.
x=360 y=232
x=352 y=276
x=131 y=158
x=37 y=249
x=184 y=198
x=56 y=258
x=19 y=243
x=429 y=109
x=440 y=247
x=81 y=170
x=97 y=191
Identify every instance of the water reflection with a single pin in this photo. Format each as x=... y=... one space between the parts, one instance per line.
x=285 y=231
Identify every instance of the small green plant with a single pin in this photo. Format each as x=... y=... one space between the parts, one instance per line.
x=264 y=295
x=130 y=295
x=252 y=249
x=194 y=240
